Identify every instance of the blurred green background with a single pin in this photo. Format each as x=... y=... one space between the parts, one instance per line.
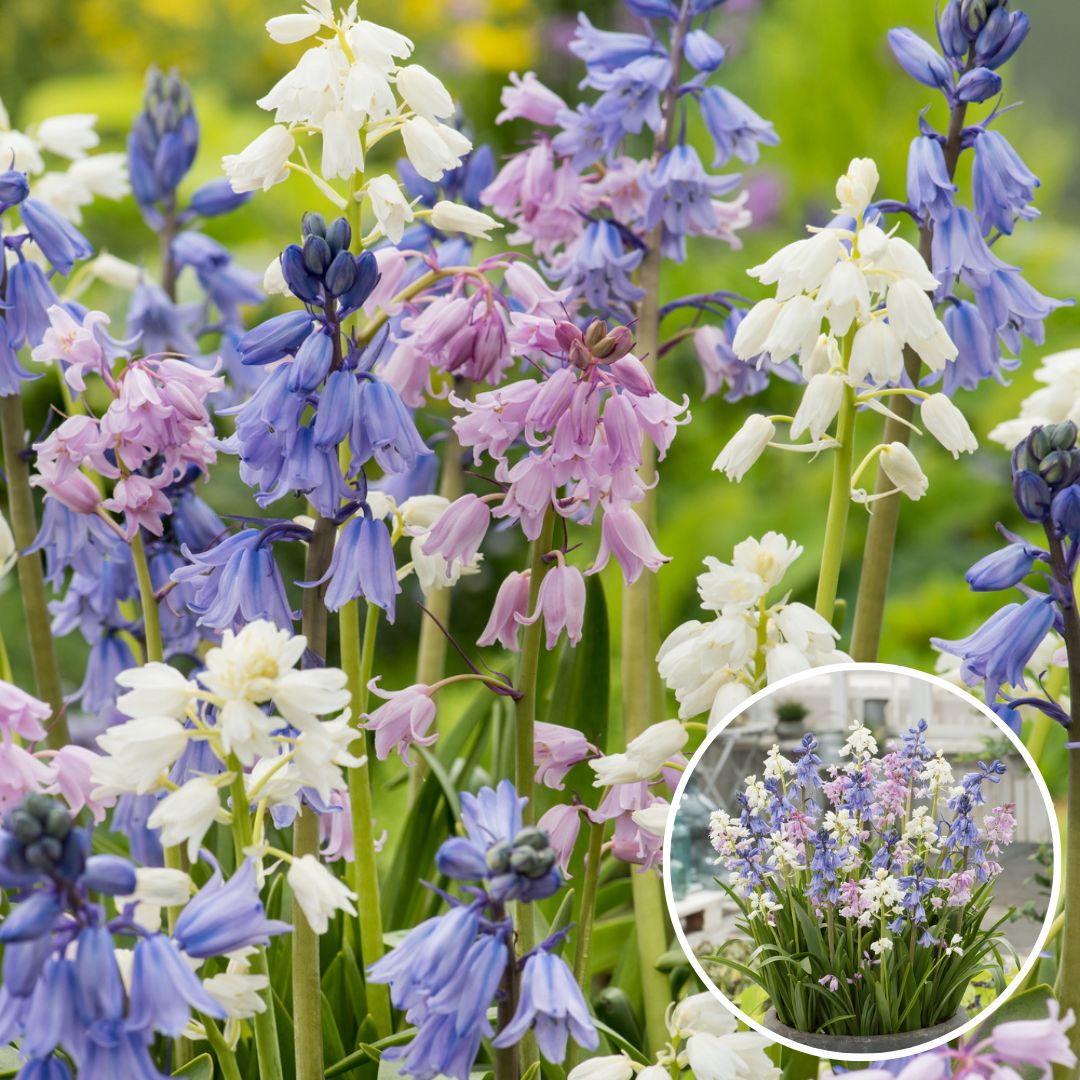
x=820 y=71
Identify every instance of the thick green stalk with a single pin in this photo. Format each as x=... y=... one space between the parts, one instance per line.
x=306 y=976
x=23 y=522
x=225 y=1058
x=155 y=650
x=589 y=888
x=881 y=530
x=267 y=1048
x=431 y=650
x=357 y=659
x=832 y=549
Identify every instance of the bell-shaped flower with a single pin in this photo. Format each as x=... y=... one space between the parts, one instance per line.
x=402 y=721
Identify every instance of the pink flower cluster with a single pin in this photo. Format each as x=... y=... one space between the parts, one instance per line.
x=155 y=429
x=64 y=772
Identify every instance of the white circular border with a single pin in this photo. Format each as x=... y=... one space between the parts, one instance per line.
x=1055 y=834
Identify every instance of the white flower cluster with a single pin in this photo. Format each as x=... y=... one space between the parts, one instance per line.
x=880 y=897
x=860 y=743
x=252 y=708
x=870 y=289
x=350 y=89
x=84 y=176
x=644 y=756
x=1058 y=399
x=714 y=666
x=703 y=1039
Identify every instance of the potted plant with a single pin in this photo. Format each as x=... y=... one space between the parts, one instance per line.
x=790 y=716
x=864 y=888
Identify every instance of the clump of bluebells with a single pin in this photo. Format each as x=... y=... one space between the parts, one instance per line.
x=865 y=886
x=1046 y=487
x=451 y=969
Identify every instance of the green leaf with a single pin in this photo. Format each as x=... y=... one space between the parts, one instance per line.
x=10 y=1062
x=201 y=1068
x=532 y=1072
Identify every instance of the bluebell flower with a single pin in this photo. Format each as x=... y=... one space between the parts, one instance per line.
x=362 y=565
x=973 y=782
x=979 y=84
x=513 y=862
x=48 y=1068
x=164 y=989
x=1013 y=307
x=129 y=820
x=1003 y=569
x=29 y=297
x=276 y=338
x=954 y=39
x=60 y=242
x=224 y=916
x=383 y=429
x=736 y=130
x=630 y=100
x=585 y=136
x=69 y=541
x=227 y=284
x=702 y=51
x=470 y=990
x=598 y=267
x=807 y=764
x=312 y=362
x=216 y=197
x=110 y=655
x=1003 y=186
x=929 y=188
x=1000 y=649
x=610 y=50
x=653 y=9
x=195 y=524
x=163 y=142
x=12 y=373
x=979 y=354
x=551 y=1004
x=959 y=251
x=161 y=325
x=680 y=198
x=919 y=59
x=1003 y=33
x=14 y=187
x=308 y=470
x=237 y=581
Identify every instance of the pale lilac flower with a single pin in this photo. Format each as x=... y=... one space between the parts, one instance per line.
x=402 y=721
x=556 y=750
x=561 y=603
x=511 y=604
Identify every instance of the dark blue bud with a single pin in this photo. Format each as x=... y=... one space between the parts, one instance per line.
x=951 y=32
x=334 y=416
x=312 y=363
x=316 y=255
x=977 y=85
x=919 y=59
x=141 y=163
x=60 y=242
x=1032 y=495
x=993 y=34
x=1060 y=436
x=313 y=224
x=461 y=860
x=277 y=337
x=1065 y=512
x=653 y=9
x=339 y=235
x=170 y=162
x=32 y=918
x=341 y=274
x=1019 y=24
x=301 y=282
x=217 y=197
x=367 y=277
x=109 y=874
x=1059 y=467
x=703 y=51
x=14 y=187
x=1001 y=569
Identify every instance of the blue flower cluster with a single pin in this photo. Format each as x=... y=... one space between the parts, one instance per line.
x=162 y=147
x=1046 y=487
x=62 y=988
x=448 y=971
x=997 y=306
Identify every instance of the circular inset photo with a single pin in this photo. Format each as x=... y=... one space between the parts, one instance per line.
x=862 y=862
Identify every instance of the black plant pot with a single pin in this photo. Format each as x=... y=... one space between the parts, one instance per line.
x=840 y=1046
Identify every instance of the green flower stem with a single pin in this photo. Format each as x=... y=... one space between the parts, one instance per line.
x=881 y=531
x=839 y=503
x=589 y=888
x=306 y=975
x=357 y=659
x=226 y=1059
x=31 y=576
x=267 y=1048
x=431 y=651
x=155 y=650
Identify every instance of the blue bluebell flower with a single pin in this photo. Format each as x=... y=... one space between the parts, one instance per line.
x=164 y=989
x=807 y=764
x=363 y=565
x=959 y=251
x=29 y=297
x=1003 y=569
x=278 y=337
x=929 y=187
x=919 y=59
x=702 y=51
x=979 y=354
x=736 y=130
x=237 y=580
x=979 y=84
x=226 y=284
x=551 y=1004
x=1013 y=307
x=110 y=655
x=60 y=242
x=383 y=429
x=1003 y=33
x=12 y=373
x=224 y=916
x=161 y=325
x=1003 y=186
x=598 y=267
x=216 y=197
x=163 y=143
x=608 y=49
x=14 y=187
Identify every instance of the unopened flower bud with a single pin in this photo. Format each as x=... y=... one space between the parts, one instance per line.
x=1062 y=436
x=317 y=255
x=341 y=273
x=578 y=354
x=977 y=85
x=594 y=332
x=339 y=235
x=566 y=333
x=313 y=224
x=619 y=342
x=302 y=283
x=1032 y=495
x=498 y=857
x=532 y=837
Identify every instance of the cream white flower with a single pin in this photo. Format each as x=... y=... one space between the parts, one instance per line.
x=422 y=511
x=424 y=93
x=819 y=406
x=856 y=187
x=238 y=993
x=318 y=892
x=342 y=152
x=643 y=758
x=745 y=447
x=273 y=281
x=186 y=814
x=69 y=136
x=728 y=698
x=8 y=550
x=607 y=1067
x=800 y=266
x=903 y=470
x=737 y=1056
x=320 y=754
x=454 y=217
x=155 y=689
x=948 y=425
x=262 y=163
x=751 y=333
x=653 y=819
x=876 y=352
x=428 y=147
x=137 y=754
x=288 y=29
x=796 y=329
x=157 y=888
x=116 y=272
x=1056 y=400
x=699 y=1013
x=390 y=207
